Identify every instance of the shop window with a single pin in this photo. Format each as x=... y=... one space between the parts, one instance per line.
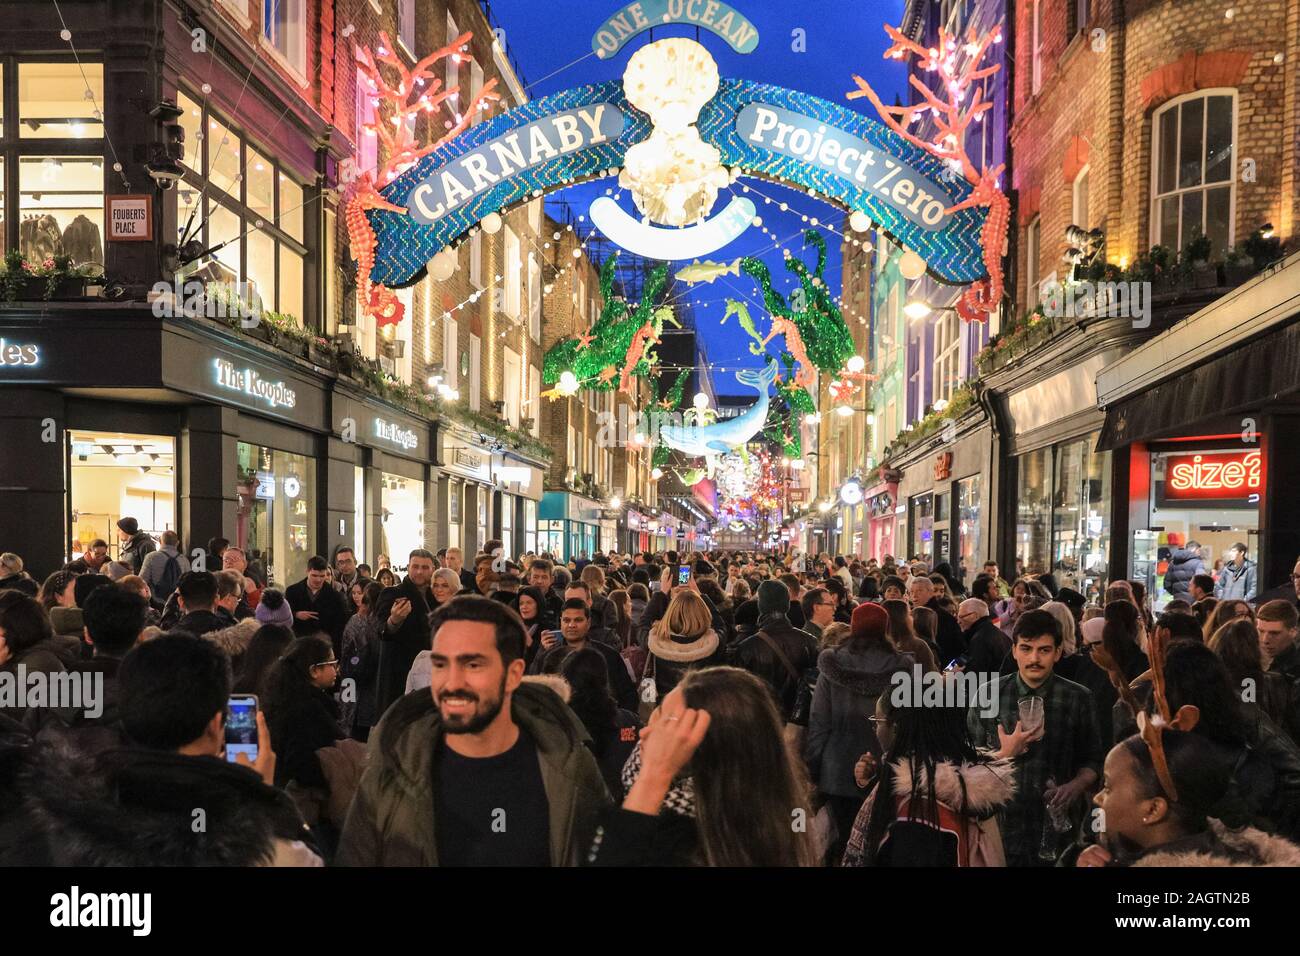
x=1192 y=180
x=52 y=100
x=530 y=525
x=1080 y=526
x=455 y=491
x=481 y=494
x=61 y=209
x=275 y=523
x=284 y=30
x=1034 y=509
x=920 y=510
x=191 y=121
x=114 y=475
x=401 y=517
x=359 y=513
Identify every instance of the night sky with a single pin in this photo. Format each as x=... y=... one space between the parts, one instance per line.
x=842 y=38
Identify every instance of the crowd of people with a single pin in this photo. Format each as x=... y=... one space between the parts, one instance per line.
x=714 y=708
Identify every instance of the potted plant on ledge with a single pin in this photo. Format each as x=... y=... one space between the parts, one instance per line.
x=54 y=278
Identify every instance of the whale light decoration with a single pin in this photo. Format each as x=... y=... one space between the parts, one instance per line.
x=728 y=435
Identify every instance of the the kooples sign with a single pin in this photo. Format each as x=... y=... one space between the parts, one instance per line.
x=15 y=354
x=392 y=432
x=250 y=382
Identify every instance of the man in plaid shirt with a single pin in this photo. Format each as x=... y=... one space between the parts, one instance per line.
x=1067 y=748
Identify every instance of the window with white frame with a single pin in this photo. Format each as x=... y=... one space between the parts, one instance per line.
x=475 y=86
x=1036 y=47
x=1079 y=205
x=475 y=372
x=512 y=258
x=534 y=298
x=406 y=25
x=1033 y=239
x=511 y=368
x=534 y=399
x=450 y=350
x=1193 y=190
x=284 y=30
x=476 y=259
x=947 y=355
x=452 y=63
x=367 y=142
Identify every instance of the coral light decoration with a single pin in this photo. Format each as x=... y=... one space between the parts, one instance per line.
x=958 y=65
x=419 y=89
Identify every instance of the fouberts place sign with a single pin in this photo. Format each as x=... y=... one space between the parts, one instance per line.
x=249 y=382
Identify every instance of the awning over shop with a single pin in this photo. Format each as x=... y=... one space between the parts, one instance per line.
x=1261 y=371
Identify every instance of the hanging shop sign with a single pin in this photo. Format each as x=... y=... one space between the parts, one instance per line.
x=881 y=504
x=1222 y=479
x=129 y=218
x=635 y=18
x=796 y=139
x=943 y=466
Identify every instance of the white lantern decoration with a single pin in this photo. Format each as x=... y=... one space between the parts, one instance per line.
x=858 y=221
x=568 y=384
x=911 y=266
x=443 y=265
x=491 y=223
x=856 y=364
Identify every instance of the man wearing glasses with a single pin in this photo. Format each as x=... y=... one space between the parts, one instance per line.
x=818 y=611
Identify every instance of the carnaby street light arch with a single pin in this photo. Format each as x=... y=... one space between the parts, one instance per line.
x=770 y=131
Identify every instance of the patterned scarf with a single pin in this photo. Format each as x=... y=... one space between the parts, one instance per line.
x=681 y=795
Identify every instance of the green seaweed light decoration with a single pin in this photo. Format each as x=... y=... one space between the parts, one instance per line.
x=813 y=327
x=620 y=345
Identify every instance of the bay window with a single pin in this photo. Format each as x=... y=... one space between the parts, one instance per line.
x=52 y=166
x=254 y=223
x=1192 y=170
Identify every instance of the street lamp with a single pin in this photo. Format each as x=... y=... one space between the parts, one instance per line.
x=916 y=309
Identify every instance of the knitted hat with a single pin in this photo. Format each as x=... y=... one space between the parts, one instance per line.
x=869 y=620
x=129 y=525
x=276 y=610
x=773 y=598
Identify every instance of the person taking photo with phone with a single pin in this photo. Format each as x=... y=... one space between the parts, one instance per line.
x=404 y=610
x=317 y=607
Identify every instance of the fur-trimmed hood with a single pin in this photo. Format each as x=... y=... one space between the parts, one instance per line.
x=135 y=807
x=234 y=640
x=862 y=672
x=1223 y=847
x=667 y=646
x=981 y=788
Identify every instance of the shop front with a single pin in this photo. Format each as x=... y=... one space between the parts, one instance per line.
x=939 y=508
x=881 y=501
x=465 y=489
x=381 y=501
x=1058 y=486
x=568 y=525
x=519 y=493
x=1207 y=458
x=187 y=429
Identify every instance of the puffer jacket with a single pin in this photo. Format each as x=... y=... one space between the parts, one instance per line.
x=969 y=797
x=672 y=655
x=755 y=656
x=391 y=822
x=839 y=732
x=1184 y=565
x=1236 y=582
x=136 y=550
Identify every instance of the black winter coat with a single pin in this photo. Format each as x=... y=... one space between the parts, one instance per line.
x=986 y=646
x=755 y=656
x=949 y=637
x=333 y=608
x=301 y=725
x=398 y=649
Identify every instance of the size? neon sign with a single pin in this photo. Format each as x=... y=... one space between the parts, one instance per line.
x=1226 y=475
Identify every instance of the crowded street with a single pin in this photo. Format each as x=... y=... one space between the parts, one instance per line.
x=452 y=433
